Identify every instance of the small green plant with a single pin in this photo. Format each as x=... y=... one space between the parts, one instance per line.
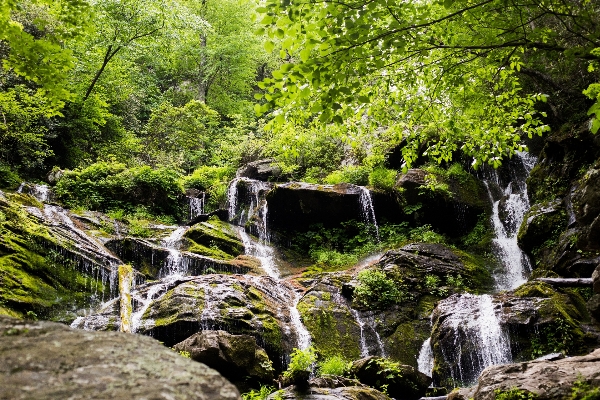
x=432 y=282
x=375 y=289
x=425 y=234
x=514 y=394
x=301 y=364
x=582 y=390
x=350 y=174
x=335 y=365
x=260 y=394
x=31 y=315
x=557 y=337
x=185 y=354
x=382 y=178
x=433 y=185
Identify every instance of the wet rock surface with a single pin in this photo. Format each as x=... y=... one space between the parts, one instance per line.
x=262 y=170
x=236 y=357
x=44 y=360
x=545 y=379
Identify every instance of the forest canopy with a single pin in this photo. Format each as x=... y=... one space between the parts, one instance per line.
x=326 y=88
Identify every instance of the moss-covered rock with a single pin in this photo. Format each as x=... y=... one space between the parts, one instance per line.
x=214 y=238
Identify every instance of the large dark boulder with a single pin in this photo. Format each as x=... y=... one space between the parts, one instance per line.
x=544 y=379
x=236 y=357
x=45 y=360
x=400 y=381
x=261 y=170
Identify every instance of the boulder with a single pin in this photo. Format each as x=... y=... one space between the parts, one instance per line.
x=472 y=332
x=236 y=357
x=174 y=308
x=262 y=170
x=540 y=223
x=46 y=360
x=329 y=388
x=544 y=379
x=401 y=381
x=593 y=304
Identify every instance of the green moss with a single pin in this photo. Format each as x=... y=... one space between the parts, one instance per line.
x=331 y=328
x=215 y=237
x=271 y=333
x=211 y=252
x=514 y=394
x=406 y=341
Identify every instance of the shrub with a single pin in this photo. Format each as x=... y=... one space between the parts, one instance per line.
x=211 y=180
x=301 y=365
x=382 y=178
x=260 y=394
x=351 y=174
x=335 y=365
x=110 y=185
x=9 y=179
x=375 y=289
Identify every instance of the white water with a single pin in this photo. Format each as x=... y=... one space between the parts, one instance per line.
x=260 y=249
x=476 y=325
x=515 y=264
x=196 y=205
x=40 y=192
x=364 y=349
x=175 y=264
x=368 y=212
x=425 y=360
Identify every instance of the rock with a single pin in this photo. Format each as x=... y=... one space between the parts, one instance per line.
x=54 y=176
x=153 y=260
x=295 y=206
x=329 y=388
x=173 y=309
x=45 y=360
x=545 y=379
x=412 y=179
x=596 y=280
x=401 y=381
x=208 y=235
x=261 y=170
x=530 y=321
x=540 y=223
x=236 y=357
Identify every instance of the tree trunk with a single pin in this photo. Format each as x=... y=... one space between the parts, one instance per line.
x=567 y=282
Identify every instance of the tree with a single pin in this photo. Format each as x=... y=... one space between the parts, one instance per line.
x=444 y=75
x=37 y=53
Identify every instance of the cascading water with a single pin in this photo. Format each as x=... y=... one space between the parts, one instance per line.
x=196 y=205
x=175 y=264
x=515 y=203
x=367 y=209
x=425 y=360
x=260 y=249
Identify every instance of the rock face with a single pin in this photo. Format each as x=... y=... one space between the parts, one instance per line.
x=339 y=326
x=329 y=388
x=545 y=379
x=401 y=381
x=593 y=303
x=471 y=332
x=173 y=309
x=236 y=357
x=261 y=170
x=561 y=231
x=44 y=360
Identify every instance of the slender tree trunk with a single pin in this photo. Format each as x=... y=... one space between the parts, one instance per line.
x=107 y=57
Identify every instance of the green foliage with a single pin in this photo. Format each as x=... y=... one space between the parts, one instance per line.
x=351 y=174
x=9 y=179
x=375 y=290
x=334 y=365
x=213 y=181
x=557 y=337
x=183 y=137
x=109 y=185
x=514 y=394
x=301 y=363
x=425 y=234
x=260 y=394
x=582 y=390
x=382 y=178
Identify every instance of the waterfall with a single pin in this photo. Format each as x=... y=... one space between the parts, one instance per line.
x=175 y=264
x=364 y=349
x=515 y=203
x=425 y=360
x=479 y=340
x=367 y=209
x=260 y=249
x=196 y=205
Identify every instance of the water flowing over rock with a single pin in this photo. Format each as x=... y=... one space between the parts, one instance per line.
x=508 y=212
x=45 y=360
x=470 y=336
x=425 y=360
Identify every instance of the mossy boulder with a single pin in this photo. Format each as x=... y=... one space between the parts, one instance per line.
x=49 y=267
x=214 y=238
